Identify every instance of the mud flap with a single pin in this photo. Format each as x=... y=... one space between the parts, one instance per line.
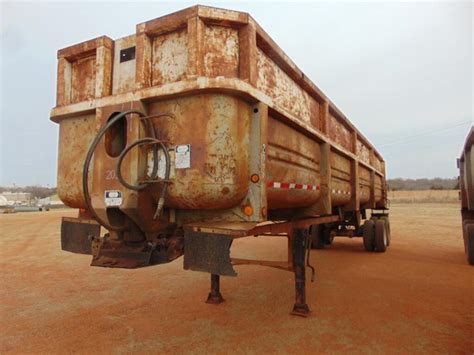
x=208 y=253
x=76 y=235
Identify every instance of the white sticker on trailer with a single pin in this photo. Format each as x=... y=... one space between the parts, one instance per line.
x=113 y=198
x=183 y=156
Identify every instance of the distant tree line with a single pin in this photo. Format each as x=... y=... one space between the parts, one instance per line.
x=423 y=184
x=393 y=185
x=35 y=191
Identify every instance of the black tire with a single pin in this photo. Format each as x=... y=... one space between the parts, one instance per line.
x=328 y=235
x=468 y=231
x=387 y=226
x=317 y=237
x=380 y=236
x=368 y=234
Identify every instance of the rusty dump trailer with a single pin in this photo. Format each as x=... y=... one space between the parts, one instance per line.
x=466 y=184
x=198 y=129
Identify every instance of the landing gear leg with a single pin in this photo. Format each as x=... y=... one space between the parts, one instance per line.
x=300 y=239
x=215 y=296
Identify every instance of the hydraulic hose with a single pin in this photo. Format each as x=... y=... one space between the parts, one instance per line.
x=93 y=147
x=118 y=170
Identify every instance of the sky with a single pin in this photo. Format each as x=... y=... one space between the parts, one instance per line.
x=402 y=72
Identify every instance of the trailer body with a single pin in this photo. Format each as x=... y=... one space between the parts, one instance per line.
x=466 y=186
x=253 y=147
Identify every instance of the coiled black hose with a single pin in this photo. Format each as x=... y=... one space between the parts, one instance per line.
x=90 y=153
x=118 y=168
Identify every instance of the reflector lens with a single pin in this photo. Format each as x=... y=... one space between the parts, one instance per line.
x=255 y=178
x=248 y=210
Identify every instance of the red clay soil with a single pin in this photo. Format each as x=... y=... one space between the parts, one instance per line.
x=416 y=297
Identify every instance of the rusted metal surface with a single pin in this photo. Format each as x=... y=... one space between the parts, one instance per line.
x=216 y=127
x=365 y=184
x=248 y=139
x=221 y=56
x=339 y=133
x=75 y=137
x=292 y=158
x=285 y=92
x=172 y=51
x=84 y=71
x=238 y=230
x=363 y=152
x=300 y=242
x=215 y=296
x=123 y=71
x=83 y=79
x=170 y=57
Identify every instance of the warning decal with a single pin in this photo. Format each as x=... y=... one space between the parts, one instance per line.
x=113 y=198
x=183 y=156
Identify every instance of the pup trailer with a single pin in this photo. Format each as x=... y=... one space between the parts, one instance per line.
x=198 y=129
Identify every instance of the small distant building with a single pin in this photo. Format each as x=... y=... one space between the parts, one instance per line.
x=3 y=201
x=17 y=198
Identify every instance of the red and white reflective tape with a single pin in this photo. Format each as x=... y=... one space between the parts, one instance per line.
x=291 y=185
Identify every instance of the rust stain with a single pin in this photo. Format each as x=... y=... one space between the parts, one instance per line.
x=83 y=79
x=75 y=137
x=222 y=52
x=225 y=190
x=213 y=125
x=291 y=157
x=363 y=152
x=339 y=133
x=274 y=82
x=123 y=72
x=170 y=57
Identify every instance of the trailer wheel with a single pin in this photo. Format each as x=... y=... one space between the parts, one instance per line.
x=380 y=236
x=387 y=226
x=368 y=235
x=317 y=236
x=328 y=236
x=469 y=241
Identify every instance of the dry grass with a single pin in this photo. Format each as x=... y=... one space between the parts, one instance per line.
x=425 y=196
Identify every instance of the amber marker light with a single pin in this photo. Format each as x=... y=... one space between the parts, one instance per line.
x=248 y=210
x=255 y=178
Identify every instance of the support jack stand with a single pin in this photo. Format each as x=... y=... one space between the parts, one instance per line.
x=215 y=296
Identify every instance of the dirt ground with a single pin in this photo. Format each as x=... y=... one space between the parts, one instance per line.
x=416 y=297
